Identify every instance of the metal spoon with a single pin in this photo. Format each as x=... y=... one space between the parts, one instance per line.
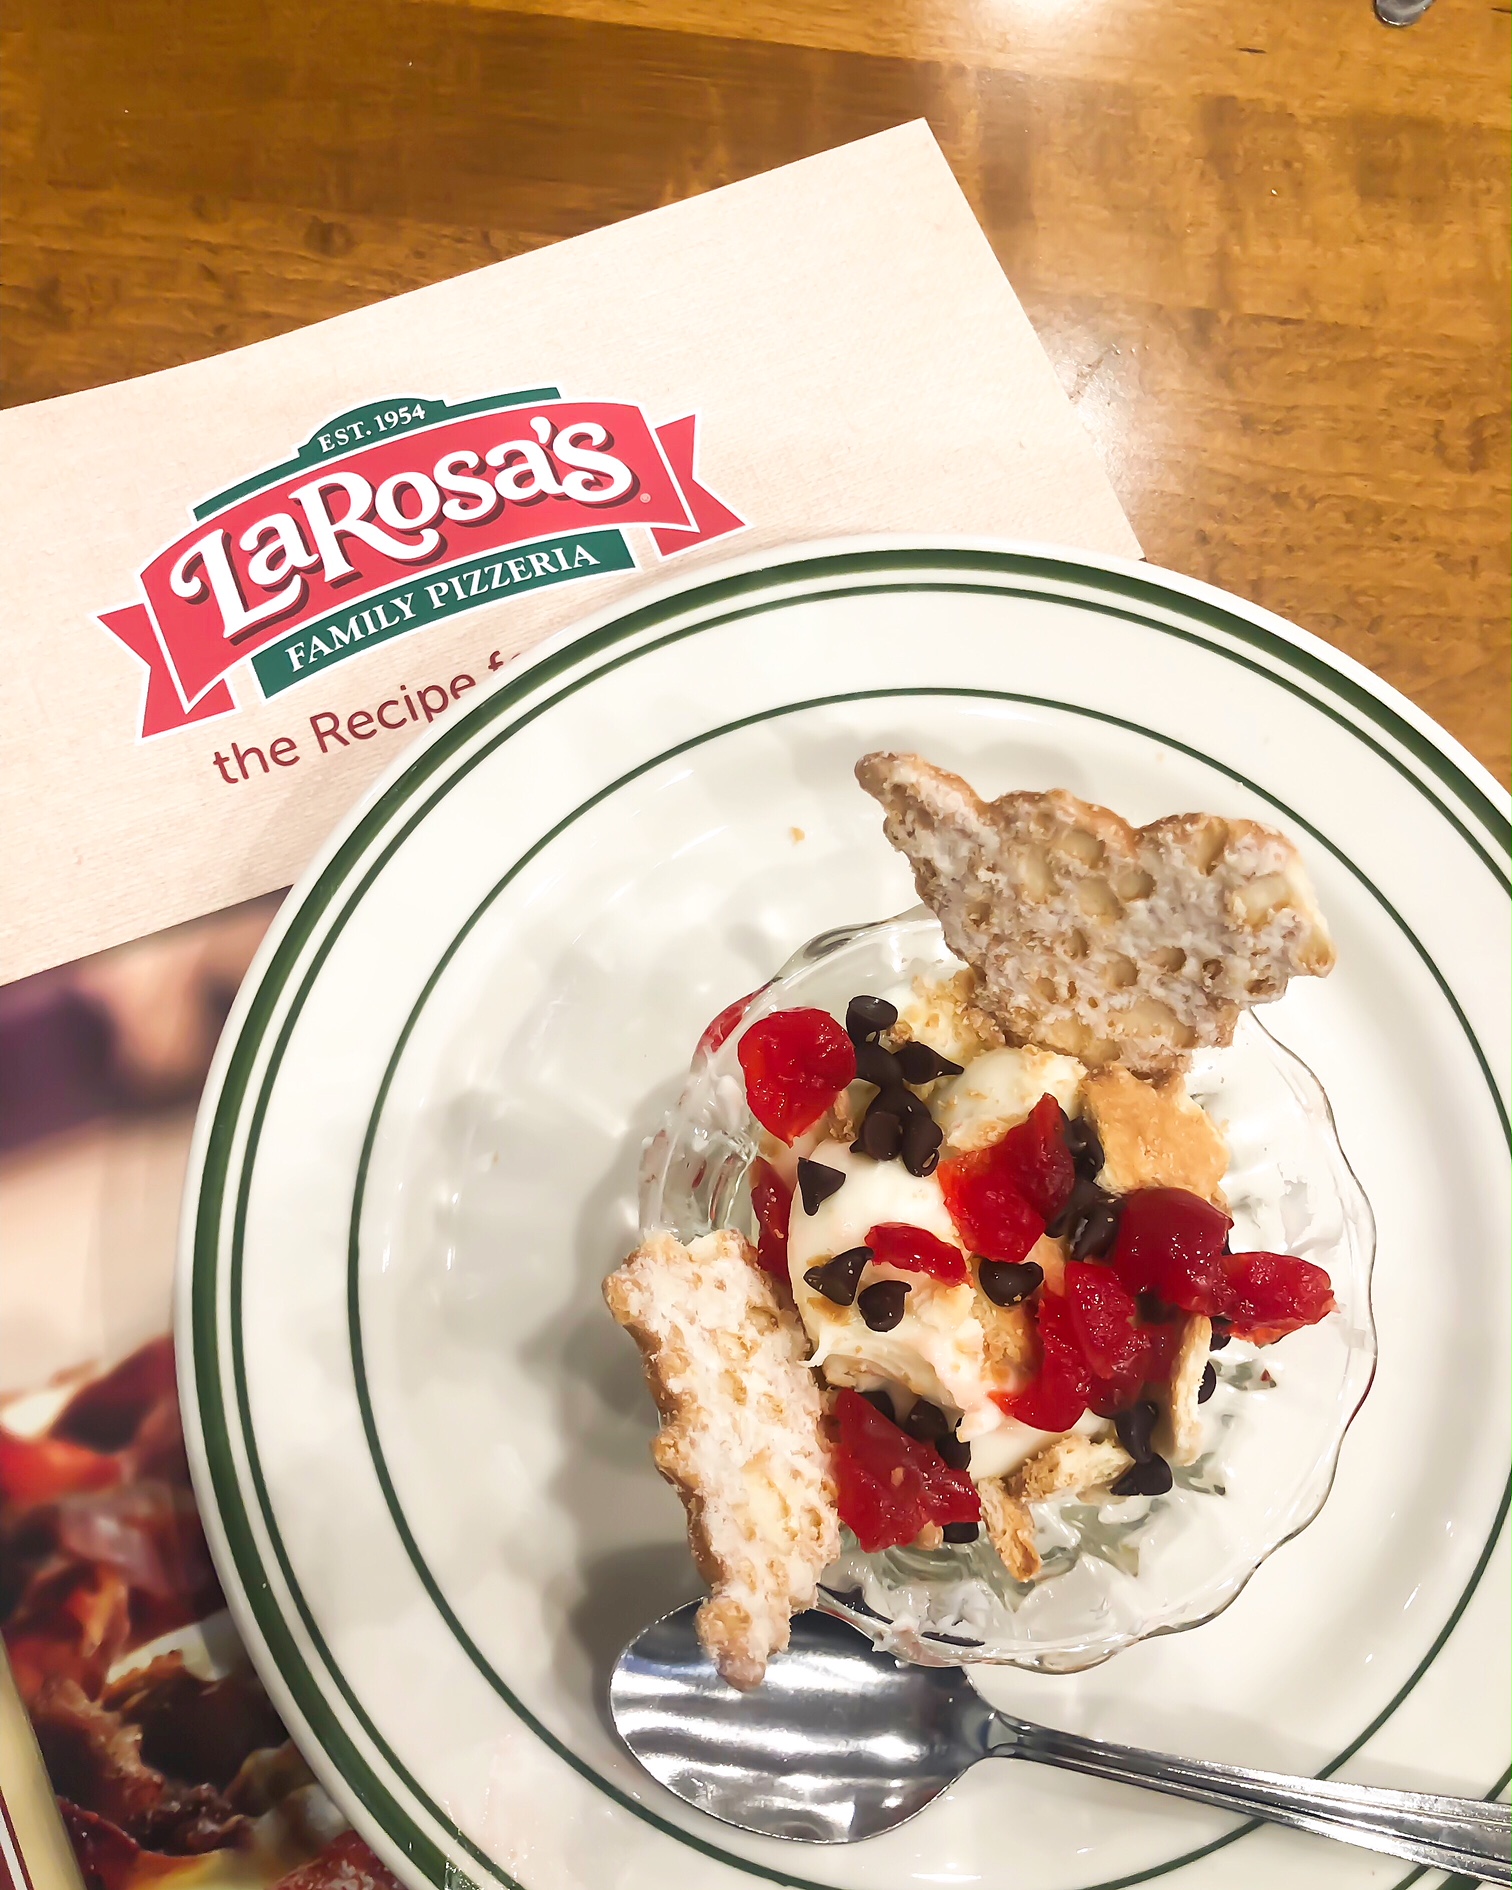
x=842 y=1742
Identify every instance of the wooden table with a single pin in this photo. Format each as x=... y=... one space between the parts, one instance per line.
x=1264 y=241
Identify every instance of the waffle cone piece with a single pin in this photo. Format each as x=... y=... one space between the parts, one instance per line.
x=741 y=1438
x=1112 y=943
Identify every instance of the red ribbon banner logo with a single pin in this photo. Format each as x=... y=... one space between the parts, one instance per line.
x=394 y=516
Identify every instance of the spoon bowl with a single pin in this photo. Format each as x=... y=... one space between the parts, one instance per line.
x=830 y=1748
x=842 y=1742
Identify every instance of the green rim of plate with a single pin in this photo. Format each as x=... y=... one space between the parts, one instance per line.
x=382 y=1809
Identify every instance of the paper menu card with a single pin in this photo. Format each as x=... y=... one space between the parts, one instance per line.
x=233 y=592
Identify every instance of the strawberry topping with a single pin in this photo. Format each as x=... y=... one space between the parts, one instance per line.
x=888 y=1484
x=1036 y=1156
x=796 y=1063
x=1123 y=1354
x=772 y=1204
x=1271 y=1294
x=987 y=1203
x=1057 y=1396
x=1104 y=1319
x=1171 y=1243
x=915 y=1250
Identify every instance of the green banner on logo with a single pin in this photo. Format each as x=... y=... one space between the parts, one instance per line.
x=426 y=599
x=366 y=426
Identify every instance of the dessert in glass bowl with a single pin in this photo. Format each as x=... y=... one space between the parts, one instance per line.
x=1017 y=1193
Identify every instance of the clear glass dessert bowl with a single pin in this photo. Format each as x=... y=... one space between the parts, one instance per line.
x=1115 y=1570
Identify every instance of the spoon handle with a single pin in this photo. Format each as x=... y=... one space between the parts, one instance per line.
x=1464 y=1834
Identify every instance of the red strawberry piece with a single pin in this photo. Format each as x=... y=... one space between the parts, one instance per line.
x=1108 y=1396
x=915 y=1250
x=1036 y=1155
x=1171 y=1243
x=1271 y=1294
x=987 y=1203
x=1162 y=1343
x=796 y=1063
x=1057 y=1396
x=1104 y=1319
x=772 y=1204
x=889 y=1484
x=1145 y=1359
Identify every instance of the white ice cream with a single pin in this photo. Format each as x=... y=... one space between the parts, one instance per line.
x=936 y=1349
x=1008 y=1444
x=999 y=1089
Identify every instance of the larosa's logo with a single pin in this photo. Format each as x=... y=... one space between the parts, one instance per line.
x=393 y=516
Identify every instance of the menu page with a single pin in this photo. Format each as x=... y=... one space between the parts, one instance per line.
x=234 y=593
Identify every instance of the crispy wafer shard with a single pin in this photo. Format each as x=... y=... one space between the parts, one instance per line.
x=1183 y=1419
x=741 y=1438
x=838 y=1123
x=1010 y=1347
x=1072 y=1462
x=1153 y=1135
x=1010 y=1528
x=944 y=1013
x=1112 y=943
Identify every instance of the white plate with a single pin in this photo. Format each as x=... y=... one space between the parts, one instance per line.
x=419 y=1441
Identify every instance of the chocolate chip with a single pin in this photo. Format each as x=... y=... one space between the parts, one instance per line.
x=922 y=1137
x=927 y=1422
x=881 y=1304
x=955 y=1451
x=1135 y=1428
x=920 y=1064
x=838 y=1279
x=881 y=1133
x=1084 y=1196
x=961 y=1531
x=1093 y=1237
x=1007 y=1282
x=1145 y=1479
x=1221 y=1334
x=1085 y=1150
x=879 y=1401
x=867 y=1017
x=1209 y=1383
x=1153 y=1311
x=816 y=1184
x=1090 y=1219
x=879 y=1066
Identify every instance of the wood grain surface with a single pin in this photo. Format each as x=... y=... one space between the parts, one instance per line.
x=1264 y=242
